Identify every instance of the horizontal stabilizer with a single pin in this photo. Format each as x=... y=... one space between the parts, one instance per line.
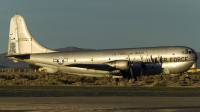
x=19 y=56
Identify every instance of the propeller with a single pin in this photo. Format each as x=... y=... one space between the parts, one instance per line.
x=131 y=69
x=143 y=69
x=155 y=60
x=158 y=61
x=143 y=66
x=161 y=60
x=152 y=60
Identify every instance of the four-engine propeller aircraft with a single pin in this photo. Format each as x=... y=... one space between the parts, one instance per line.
x=116 y=63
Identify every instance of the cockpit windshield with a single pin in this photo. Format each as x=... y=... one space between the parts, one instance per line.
x=188 y=51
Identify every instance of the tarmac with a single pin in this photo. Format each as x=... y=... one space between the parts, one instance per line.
x=100 y=104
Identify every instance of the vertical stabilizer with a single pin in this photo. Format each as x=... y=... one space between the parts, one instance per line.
x=20 y=40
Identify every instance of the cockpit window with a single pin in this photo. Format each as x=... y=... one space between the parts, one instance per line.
x=193 y=51
x=185 y=52
x=188 y=51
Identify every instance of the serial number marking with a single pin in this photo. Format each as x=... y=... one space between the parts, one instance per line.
x=24 y=39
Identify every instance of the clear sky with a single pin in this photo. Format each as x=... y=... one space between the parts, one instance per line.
x=105 y=24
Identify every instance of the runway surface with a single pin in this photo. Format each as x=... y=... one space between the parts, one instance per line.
x=100 y=104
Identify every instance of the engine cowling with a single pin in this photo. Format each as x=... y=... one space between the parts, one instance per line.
x=119 y=64
x=136 y=66
x=175 y=75
x=50 y=70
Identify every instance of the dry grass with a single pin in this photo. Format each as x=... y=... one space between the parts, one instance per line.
x=41 y=78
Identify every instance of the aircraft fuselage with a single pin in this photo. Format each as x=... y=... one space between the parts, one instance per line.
x=167 y=60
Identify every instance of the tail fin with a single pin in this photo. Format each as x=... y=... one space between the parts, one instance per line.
x=20 y=40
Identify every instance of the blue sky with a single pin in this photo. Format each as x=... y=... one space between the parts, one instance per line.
x=105 y=24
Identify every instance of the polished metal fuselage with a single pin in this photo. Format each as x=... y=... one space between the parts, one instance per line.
x=173 y=59
x=98 y=63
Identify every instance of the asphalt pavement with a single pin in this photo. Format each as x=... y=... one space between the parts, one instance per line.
x=100 y=104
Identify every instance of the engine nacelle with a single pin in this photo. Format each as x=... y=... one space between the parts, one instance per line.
x=119 y=64
x=50 y=70
x=114 y=72
x=175 y=75
x=136 y=66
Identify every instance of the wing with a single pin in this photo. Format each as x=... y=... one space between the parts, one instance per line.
x=108 y=66
x=94 y=66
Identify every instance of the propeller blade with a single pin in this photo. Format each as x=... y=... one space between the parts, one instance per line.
x=131 y=71
x=135 y=78
x=141 y=72
x=132 y=75
x=161 y=60
x=152 y=59
x=144 y=68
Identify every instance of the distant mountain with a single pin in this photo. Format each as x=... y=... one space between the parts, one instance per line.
x=7 y=63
